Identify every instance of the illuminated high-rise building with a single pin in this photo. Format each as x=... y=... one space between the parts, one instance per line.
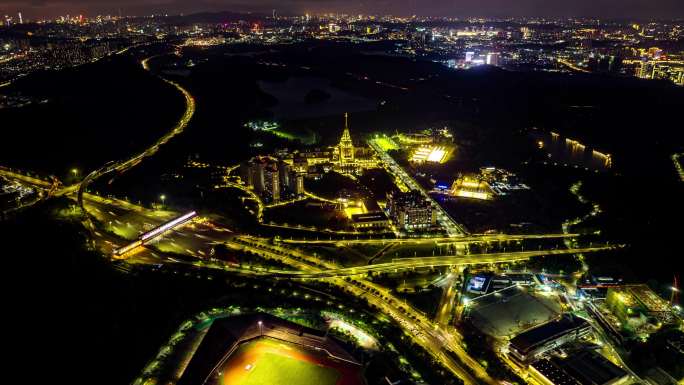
x=346 y=147
x=262 y=174
x=271 y=178
x=493 y=58
x=271 y=181
x=469 y=56
x=296 y=183
x=647 y=69
x=21 y=19
x=526 y=32
x=284 y=173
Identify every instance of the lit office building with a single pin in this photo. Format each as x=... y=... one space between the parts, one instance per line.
x=469 y=56
x=272 y=179
x=271 y=187
x=296 y=183
x=411 y=211
x=493 y=58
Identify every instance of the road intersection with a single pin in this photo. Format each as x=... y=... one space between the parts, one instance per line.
x=120 y=221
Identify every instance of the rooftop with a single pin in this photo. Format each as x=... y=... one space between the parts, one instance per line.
x=508 y=311
x=591 y=368
x=554 y=373
x=584 y=368
x=369 y=217
x=529 y=339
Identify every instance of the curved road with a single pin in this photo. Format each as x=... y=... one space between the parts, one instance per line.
x=124 y=165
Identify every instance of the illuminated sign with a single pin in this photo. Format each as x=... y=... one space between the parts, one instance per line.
x=477 y=284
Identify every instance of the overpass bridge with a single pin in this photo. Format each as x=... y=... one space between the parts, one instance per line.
x=445 y=220
x=154 y=234
x=414 y=263
x=428 y=240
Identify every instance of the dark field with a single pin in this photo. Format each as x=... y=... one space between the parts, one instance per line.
x=94 y=113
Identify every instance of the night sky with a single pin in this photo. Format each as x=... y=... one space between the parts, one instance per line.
x=553 y=8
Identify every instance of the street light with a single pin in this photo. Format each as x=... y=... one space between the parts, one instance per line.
x=674 y=290
x=163 y=198
x=261 y=333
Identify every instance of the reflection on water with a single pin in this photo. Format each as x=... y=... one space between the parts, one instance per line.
x=572 y=152
x=291 y=95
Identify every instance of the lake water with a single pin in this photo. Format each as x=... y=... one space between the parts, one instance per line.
x=291 y=98
x=567 y=150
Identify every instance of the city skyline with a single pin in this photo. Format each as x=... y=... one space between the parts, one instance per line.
x=609 y=9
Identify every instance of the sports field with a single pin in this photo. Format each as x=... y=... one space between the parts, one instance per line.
x=386 y=143
x=267 y=361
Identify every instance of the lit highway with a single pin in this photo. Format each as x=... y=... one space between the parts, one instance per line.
x=226 y=246
x=437 y=338
x=447 y=302
x=452 y=228
x=572 y=66
x=56 y=189
x=434 y=340
x=158 y=239
x=425 y=262
x=42 y=188
x=35 y=182
x=122 y=166
x=430 y=240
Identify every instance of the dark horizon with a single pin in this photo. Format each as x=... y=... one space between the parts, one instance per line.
x=607 y=9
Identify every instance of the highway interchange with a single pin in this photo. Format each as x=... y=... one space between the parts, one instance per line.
x=124 y=221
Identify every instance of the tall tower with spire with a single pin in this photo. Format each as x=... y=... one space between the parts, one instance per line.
x=346 y=146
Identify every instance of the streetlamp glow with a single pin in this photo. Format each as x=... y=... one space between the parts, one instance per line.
x=672 y=295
